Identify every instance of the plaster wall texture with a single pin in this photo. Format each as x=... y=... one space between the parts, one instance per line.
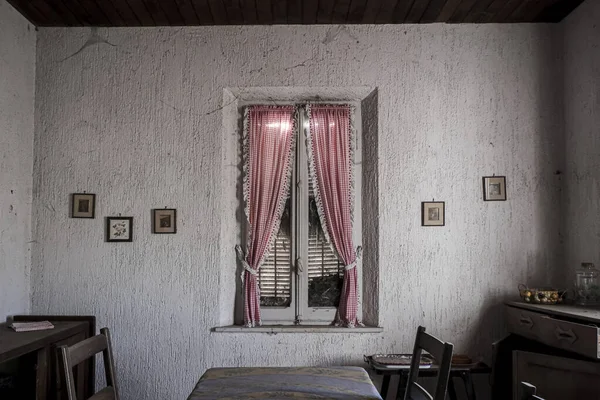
x=17 y=80
x=582 y=136
x=139 y=121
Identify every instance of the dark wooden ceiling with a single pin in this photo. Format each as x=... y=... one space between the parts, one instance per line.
x=268 y=12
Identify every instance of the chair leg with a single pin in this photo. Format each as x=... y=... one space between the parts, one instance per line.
x=451 y=389
x=393 y=389
x=385 y=385
x=469 y=385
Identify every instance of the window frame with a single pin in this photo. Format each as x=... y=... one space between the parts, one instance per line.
x=299 y=312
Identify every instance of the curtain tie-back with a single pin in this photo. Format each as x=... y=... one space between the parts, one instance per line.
x=353 y=263
x=242 y=258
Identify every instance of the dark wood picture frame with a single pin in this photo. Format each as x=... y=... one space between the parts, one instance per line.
x=108 y=227
x=426 y=217
x=80 y=209
x=157 y=221
x=499 y=183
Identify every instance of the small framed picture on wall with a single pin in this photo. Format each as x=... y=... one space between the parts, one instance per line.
x=494 y=188
x=433 y=213
x=119 y=229
x=164 y=220
x=83 y=205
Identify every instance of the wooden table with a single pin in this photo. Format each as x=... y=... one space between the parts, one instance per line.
x=35 y=353
x=394 y=379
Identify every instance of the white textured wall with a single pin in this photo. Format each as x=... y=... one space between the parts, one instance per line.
x=137 y=121
x=17 y=80
x=582 y=136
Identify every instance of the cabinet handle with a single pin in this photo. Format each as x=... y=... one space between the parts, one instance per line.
x=568 y=335
x=526 y=321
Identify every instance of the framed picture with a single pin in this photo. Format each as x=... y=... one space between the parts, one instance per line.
x=433 y=213
x=164 y=220
x=119 y=229
x=494 y=188
x=83 y=205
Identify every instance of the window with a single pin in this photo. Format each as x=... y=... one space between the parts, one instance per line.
x=301 y=279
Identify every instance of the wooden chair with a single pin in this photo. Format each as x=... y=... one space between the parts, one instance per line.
x=69 y=357
x=528 y=392
x=442 y=352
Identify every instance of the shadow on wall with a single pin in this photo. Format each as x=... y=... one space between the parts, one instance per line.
x=546 y=267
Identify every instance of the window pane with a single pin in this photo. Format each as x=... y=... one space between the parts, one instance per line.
x=274 y=276
x=325 y=271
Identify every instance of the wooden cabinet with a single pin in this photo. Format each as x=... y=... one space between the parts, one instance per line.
x=34 y=358
x=554 y=347
x=557 y=378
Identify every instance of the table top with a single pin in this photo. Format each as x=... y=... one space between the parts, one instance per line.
x=14 y=344
x=475 y=368
x=589 y=314
x=284 y=383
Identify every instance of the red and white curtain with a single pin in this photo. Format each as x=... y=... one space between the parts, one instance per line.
x=269 y=139
x=330 y=143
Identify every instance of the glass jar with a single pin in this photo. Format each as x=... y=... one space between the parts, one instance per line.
x=587 y=286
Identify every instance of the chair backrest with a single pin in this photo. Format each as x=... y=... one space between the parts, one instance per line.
x=528 y=392
x=442 y=352
x=70 y=356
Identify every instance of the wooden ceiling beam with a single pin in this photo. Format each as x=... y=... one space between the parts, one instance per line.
x=188 y=13
x=279 y=11
x=432 y=11
x=325 y=11
x=417 y=11
x=126 y=12
x=477 y=11
x=69 y=18
x=558 y=11
x=264 y=12
x=448 y=10
x=340 y=12
x=159 y=17
x=356 y=11
x=506 y=11
x=294 y=12
x=372 y=8
x=401 y=11
x=267 y=12
x=491 y=11
x=172 y=11
x=386 y=11
x=107 y=9
x=517 y=14
x=461 y=12
x=141 y=12
x=77 y=9
x=203 y=12
x=52 y=18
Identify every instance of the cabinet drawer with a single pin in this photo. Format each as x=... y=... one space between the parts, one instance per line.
x=571 y=336
x=524 y=323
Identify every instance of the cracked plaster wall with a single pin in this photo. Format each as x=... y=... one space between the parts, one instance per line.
x=17 y=80
x=582 y=136
x=138 y=122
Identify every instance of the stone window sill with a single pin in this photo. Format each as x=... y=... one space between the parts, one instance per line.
x=273 y=329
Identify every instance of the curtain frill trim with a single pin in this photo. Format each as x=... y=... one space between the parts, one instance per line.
x=312 y=170
x=251 y=324
x=246 y=190
x=313 y=175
